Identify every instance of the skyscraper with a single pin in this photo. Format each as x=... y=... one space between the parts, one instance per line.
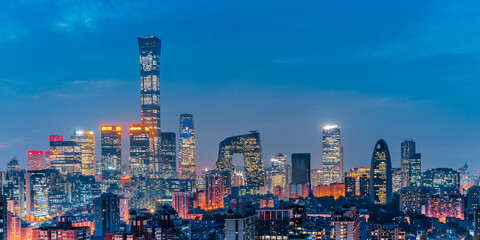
x=86 y=142
x=111 y=161
x=65 y=155
x=332 y=155
x=249 y=145
x=381 y=174
x=169 y=155
x=301 y=168
x=181 y=203
x=35 y=160
x=410 y=164
x=139 y=151
x=186 y=148
x=279 y=170
x=149 y=48
x=106 y=214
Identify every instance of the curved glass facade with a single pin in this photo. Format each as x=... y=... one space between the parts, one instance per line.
x=249 y=146
x=381 y=174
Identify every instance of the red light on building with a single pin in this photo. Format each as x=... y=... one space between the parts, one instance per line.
x=35 y=160
x=56 y=138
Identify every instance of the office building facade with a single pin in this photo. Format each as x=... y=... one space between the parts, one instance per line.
x=381 y=174
x=332 y=153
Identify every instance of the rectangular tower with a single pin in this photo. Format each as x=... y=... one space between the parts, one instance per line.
x=410 y=164
x=279 y=170
x=111 y=161
x=86 y=142
x=149 y=48
x=35 y=160
x=169 y=155
x=186 y=148
x=139 y=152
x=332 y=155
x=301 y=168
x=65 y=155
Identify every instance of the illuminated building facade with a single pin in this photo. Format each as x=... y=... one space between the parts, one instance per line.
x=111 y=159
x=215 y=190
x=65 y=156
x=249 y=145
x=187 y=148
x=317 y=177
x=301 y=168
x=345 y=225
x=441 y=178
x=39 y=190
x=381 y=174
x=332 y=155
x=350 y=187
x=472 y=201
x=239 y=226
x=279 y=170
x=14 y=227
x=411 y=172
x=442 y=208
x=396 y=179
x=169 y=155
x=362 y=182
x=411 y=199
x=86 y=142
x=35 y=160
x=63 y=230
x=3 y=218
x=239 y=176
x=181 y=203
x=149 y=48
x=464 y=176
x=48 y=162
x=139 y=151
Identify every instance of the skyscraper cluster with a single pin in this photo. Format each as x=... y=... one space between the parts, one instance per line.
x=79 y=192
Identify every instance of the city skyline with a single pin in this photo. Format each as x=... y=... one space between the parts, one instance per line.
x=420 y=112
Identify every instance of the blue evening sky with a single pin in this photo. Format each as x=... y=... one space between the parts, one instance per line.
x=379 y=69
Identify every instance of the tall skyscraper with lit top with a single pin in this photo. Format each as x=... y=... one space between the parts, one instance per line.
x=381 y=174
x=187 y=148
x=332 y=155
x=139 y=152
x=149 y=48
x=111 y=161
x=279 y=170
x=35 y=160
x=86 y=142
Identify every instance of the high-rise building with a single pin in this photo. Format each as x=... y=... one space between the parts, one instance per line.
x=301 y=168
x=396 y=179
x=239 y=225
x=381 y=174
x=186 y=147
x=317 y=177
x=111 y=159
x=472 y=201
x=346 y=225
x=249 y=145
x=181 y=203
x=350 y=187
x=35 y=160
x=441 y=178
x=14 y=227
x=149 y=48
x=362 y=181
x=464 y=176
x=139 y=152
x=3 y=218
x=443 y=207
x=279 y=170
x=65 y=156
x=476 y=224
x=410 y=165
x=39 y=189
x=169 y=155
x=215 y=190
x=332 y=155
x=48 y=162
x=106 y=214
x=86 y=142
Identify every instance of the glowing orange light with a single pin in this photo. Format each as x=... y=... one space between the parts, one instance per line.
x=118 y=128
x=107 y=128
